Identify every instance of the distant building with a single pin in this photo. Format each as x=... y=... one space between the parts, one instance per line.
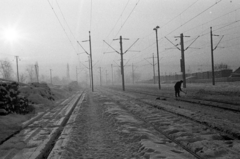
x=236 y=73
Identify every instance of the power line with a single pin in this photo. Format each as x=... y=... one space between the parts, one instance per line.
x=117 y=22
x=70 y=28
x=127 y=17
x=65 y=20
x=118 y=19
x=212 y=20
x=180 y=25
x=191 y=20
x=61 y=25
x=195 y=16
x=180 y=13
x=228 y=24
x=172 y=18
x=231 y=29
x=231 y=39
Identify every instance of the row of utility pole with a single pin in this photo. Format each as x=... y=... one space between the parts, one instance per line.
x=35 y=66
x=183 y=49
x=182 y=60
x=153 y=65
x=100 y=75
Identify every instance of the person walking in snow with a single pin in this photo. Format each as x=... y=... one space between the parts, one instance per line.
x=177 y=88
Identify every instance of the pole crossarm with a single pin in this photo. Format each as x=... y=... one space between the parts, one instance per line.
x=82 y=47
x=148 y=61
x=111 y=47
x=169 y=48
x=109 y=52
x=218 y=43
x=131 y=46
x=134 y=51
x=194 y=48
x=191 y=43
x=173 y=43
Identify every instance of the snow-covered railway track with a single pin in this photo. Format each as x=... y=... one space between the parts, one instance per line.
x=229 y=106
x=35 y=139
x=232 y=132
x=197 y=138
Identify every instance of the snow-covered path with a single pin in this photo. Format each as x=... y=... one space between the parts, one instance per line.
x=104 y=130
x=95 y=137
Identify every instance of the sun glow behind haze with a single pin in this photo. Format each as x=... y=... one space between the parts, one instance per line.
x=11 y=35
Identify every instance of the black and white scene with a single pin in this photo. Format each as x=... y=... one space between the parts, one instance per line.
x=119 y=79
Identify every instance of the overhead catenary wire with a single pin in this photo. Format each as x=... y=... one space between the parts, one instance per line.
x=62 y=26
x=65 y=19
x=194 y=17
x=115 y=26
x=180 y=13
x=118 y=19
x=172 y=19
x=127 y=17
x=182 y=24
x=191 y=20
x=210 y=20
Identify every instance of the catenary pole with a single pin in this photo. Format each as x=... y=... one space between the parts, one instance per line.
x=51 y=75
x=17 y=68
x=100 y=71
x=212 y=57
x=90 y=45
x=159 y=83
x=89 y=71
x=121 y=54
x=106 y=77
x=77 y=74
x=122 y=67
x=153 y=70
x=112 y=73
x=183 y=61
x=36 y=70
x=132 y=73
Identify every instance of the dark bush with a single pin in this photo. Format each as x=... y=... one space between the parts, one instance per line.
x=11 y=101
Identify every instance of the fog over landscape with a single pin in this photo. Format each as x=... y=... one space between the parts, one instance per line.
x=118 y=79
x=47 y=32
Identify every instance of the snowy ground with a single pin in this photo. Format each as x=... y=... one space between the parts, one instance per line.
x=11 y=123
x=116 y=124
x=229 y=92
x=104 y=130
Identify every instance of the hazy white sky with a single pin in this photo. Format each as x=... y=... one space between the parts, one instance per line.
x=52 y=44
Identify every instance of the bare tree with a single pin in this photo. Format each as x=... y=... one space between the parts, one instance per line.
x=22 y=78
x=6 y=69
x=31 y=73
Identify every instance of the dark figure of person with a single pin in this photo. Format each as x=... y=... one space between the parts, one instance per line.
x=177 y=88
